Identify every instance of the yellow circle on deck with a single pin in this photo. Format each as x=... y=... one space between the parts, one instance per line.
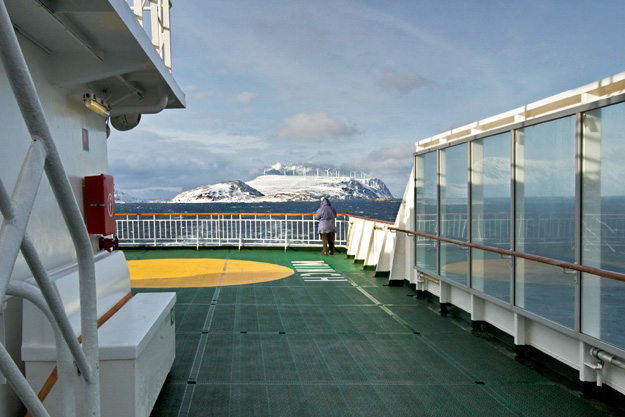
x=177 y=273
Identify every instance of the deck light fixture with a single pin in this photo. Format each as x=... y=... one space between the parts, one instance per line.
x=96 y=105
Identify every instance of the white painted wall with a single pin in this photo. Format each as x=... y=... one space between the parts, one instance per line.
x=66 y=116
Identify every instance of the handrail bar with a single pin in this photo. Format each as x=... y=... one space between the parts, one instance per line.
x=65 y=363
x=45 y=285
x=369 y=219
x=223 y=214
x=554 y=262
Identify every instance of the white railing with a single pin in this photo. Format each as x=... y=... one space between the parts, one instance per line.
x=223 y=229
x=159 y=24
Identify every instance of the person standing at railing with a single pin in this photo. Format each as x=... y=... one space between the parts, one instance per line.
x=327 y=225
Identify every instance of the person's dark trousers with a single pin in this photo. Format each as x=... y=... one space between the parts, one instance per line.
x=328 y=242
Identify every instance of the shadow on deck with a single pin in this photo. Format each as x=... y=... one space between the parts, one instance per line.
x=346 y=346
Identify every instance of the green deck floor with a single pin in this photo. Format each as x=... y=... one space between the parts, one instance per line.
x=348 y=348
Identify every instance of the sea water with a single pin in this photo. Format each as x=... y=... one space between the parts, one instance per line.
x=377 y=210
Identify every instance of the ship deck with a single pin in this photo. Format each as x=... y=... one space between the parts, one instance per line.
x=337 y=342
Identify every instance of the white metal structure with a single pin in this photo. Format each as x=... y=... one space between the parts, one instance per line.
x=223 y=229
x=159 y=23
x=571 y=317
x=65 y=66
x=16 y=212
x=371 y=242
x=589 y=93
x=136 y=341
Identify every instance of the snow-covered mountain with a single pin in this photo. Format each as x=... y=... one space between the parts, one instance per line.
x=379 y=186
x=309 y=188
x=223 y=192
x=122 y=197
x=276 y=188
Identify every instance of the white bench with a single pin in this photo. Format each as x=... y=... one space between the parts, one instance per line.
x=137 y=344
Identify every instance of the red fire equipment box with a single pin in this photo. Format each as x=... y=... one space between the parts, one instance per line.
x=100 y=204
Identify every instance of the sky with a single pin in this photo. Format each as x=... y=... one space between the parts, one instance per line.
x=352 y=85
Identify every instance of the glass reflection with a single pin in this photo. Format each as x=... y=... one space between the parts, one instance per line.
x=603 y=309
x=426 y=211
x=546 y=290
x=454 y=211
x=426 y=253
x=603 y=222
x=545 y=189
x=545 y=217
x=490 y=273
x=490 y=214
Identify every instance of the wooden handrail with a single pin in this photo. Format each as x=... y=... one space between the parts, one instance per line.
x=221 y=214
x=54 y=375
x=368 y=219
x=562 y=264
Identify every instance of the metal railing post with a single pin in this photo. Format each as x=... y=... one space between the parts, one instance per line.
x=240 y=232
x=135 y=228
x=65 y=364
x=14 y=224
x=154 y=227
x=49 y=292
x=174 y=228
x=20 y=385
x=286 y=232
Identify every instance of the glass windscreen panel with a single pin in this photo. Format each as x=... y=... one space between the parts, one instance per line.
x=426 y=210
x=454 y=212
x=545 y=217
x=546 y=290
x=490 y=214
x=603 y=222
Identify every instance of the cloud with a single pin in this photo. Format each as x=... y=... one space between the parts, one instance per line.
x=314 y=126
x=244 y=97
x=196 y=143
x=403 y=82
x=391 y=164
x=195 y=91
x=388 y=158
x=203 y=94
x=159 y=163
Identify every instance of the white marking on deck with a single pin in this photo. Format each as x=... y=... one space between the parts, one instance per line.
x=317 y=271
